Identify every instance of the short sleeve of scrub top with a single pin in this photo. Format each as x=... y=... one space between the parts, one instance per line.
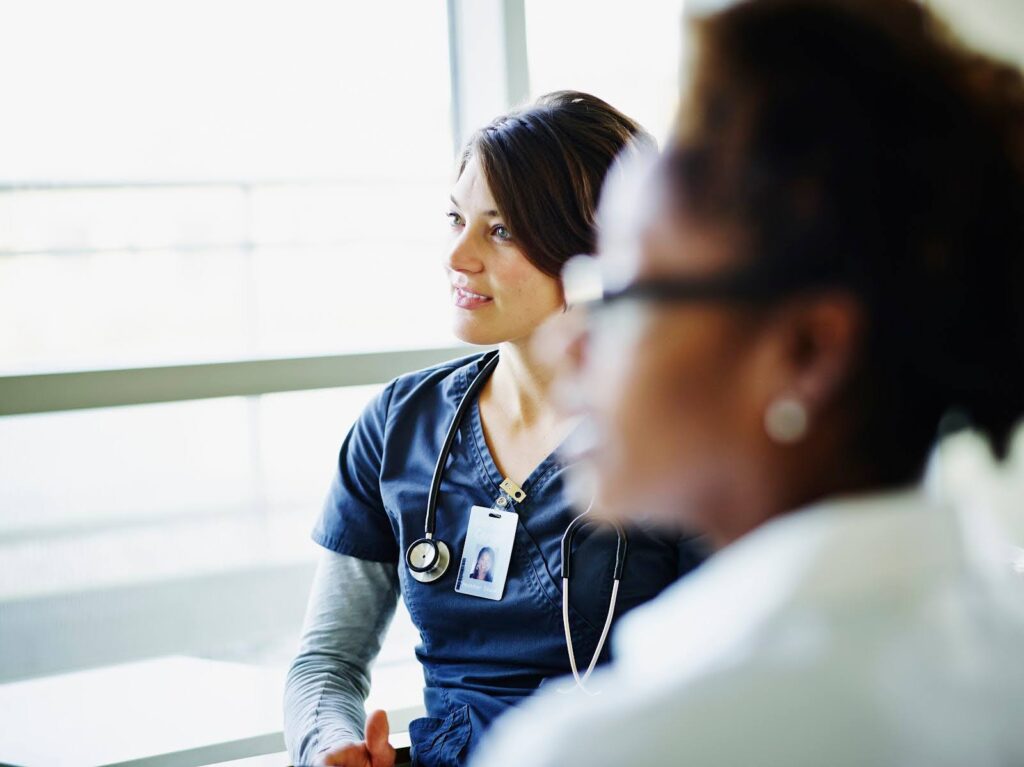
x=354 y=520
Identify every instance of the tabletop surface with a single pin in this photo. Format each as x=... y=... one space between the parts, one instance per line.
x=133 y=712
x=172 y=711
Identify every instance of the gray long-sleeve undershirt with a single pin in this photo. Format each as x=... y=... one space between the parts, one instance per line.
x=350 y=607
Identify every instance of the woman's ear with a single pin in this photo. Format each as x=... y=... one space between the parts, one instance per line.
x=809 y=352
x=821 y=347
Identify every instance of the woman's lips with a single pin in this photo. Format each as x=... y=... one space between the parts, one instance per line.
x=467 y=299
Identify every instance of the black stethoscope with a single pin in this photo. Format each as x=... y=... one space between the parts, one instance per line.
x=428 y=558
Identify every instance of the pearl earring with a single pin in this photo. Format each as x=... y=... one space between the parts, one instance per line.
x=786 y=420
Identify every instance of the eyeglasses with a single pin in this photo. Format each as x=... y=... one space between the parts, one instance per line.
x=583 y=285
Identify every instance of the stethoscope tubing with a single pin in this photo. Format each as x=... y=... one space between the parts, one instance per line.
x=430 y=522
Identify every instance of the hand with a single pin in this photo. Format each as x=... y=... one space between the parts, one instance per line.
x=374 y=751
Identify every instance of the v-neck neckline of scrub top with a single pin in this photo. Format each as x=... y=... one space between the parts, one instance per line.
x=541 y=473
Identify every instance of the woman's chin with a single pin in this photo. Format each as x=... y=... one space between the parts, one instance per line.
x=473 y=333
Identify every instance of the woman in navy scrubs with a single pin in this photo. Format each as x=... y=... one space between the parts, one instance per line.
x=522 y=205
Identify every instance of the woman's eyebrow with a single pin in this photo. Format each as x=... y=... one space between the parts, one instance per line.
x=489 y=213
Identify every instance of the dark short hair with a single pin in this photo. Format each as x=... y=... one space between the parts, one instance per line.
x=858 y=138
x=545 y=165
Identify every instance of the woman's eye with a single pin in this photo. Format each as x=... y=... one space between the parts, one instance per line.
x=501 y=233
x=454 y=219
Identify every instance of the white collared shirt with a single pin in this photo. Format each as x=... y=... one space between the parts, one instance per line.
x=882 y=630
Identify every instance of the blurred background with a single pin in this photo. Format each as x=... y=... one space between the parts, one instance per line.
x=222 y=225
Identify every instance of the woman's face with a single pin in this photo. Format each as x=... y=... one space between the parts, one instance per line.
x=674 y=392
x=498 y=295
x=484 y=562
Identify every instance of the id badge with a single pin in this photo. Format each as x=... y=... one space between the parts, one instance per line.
x=487 y=552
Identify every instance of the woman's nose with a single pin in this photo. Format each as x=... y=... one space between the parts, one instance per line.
x=463 y=256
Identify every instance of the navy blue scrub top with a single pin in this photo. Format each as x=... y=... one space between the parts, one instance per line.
x=479 y=656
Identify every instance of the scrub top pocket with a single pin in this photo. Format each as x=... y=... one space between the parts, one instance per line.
x=440 y=742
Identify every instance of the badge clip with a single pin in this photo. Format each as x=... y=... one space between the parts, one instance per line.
x=513 y=490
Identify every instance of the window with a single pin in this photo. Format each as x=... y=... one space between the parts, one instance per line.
x=193 y=182
x=628 y=56
x=225 y=179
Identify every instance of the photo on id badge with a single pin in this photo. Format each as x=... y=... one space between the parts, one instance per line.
x=483 y=569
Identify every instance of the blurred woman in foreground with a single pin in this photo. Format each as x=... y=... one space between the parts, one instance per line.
x=828 y=261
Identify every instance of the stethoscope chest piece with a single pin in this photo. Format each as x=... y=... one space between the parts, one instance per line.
x=428 y=559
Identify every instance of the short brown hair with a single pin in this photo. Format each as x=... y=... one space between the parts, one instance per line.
x=858 y=138
x=545 y=165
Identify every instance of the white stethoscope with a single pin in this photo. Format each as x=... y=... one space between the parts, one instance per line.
x=428 y=558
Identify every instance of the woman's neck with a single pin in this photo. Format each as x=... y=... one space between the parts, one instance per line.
x=521 y=385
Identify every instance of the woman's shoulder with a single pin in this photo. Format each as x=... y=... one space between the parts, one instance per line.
x=442 y=380
x=420 y=398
